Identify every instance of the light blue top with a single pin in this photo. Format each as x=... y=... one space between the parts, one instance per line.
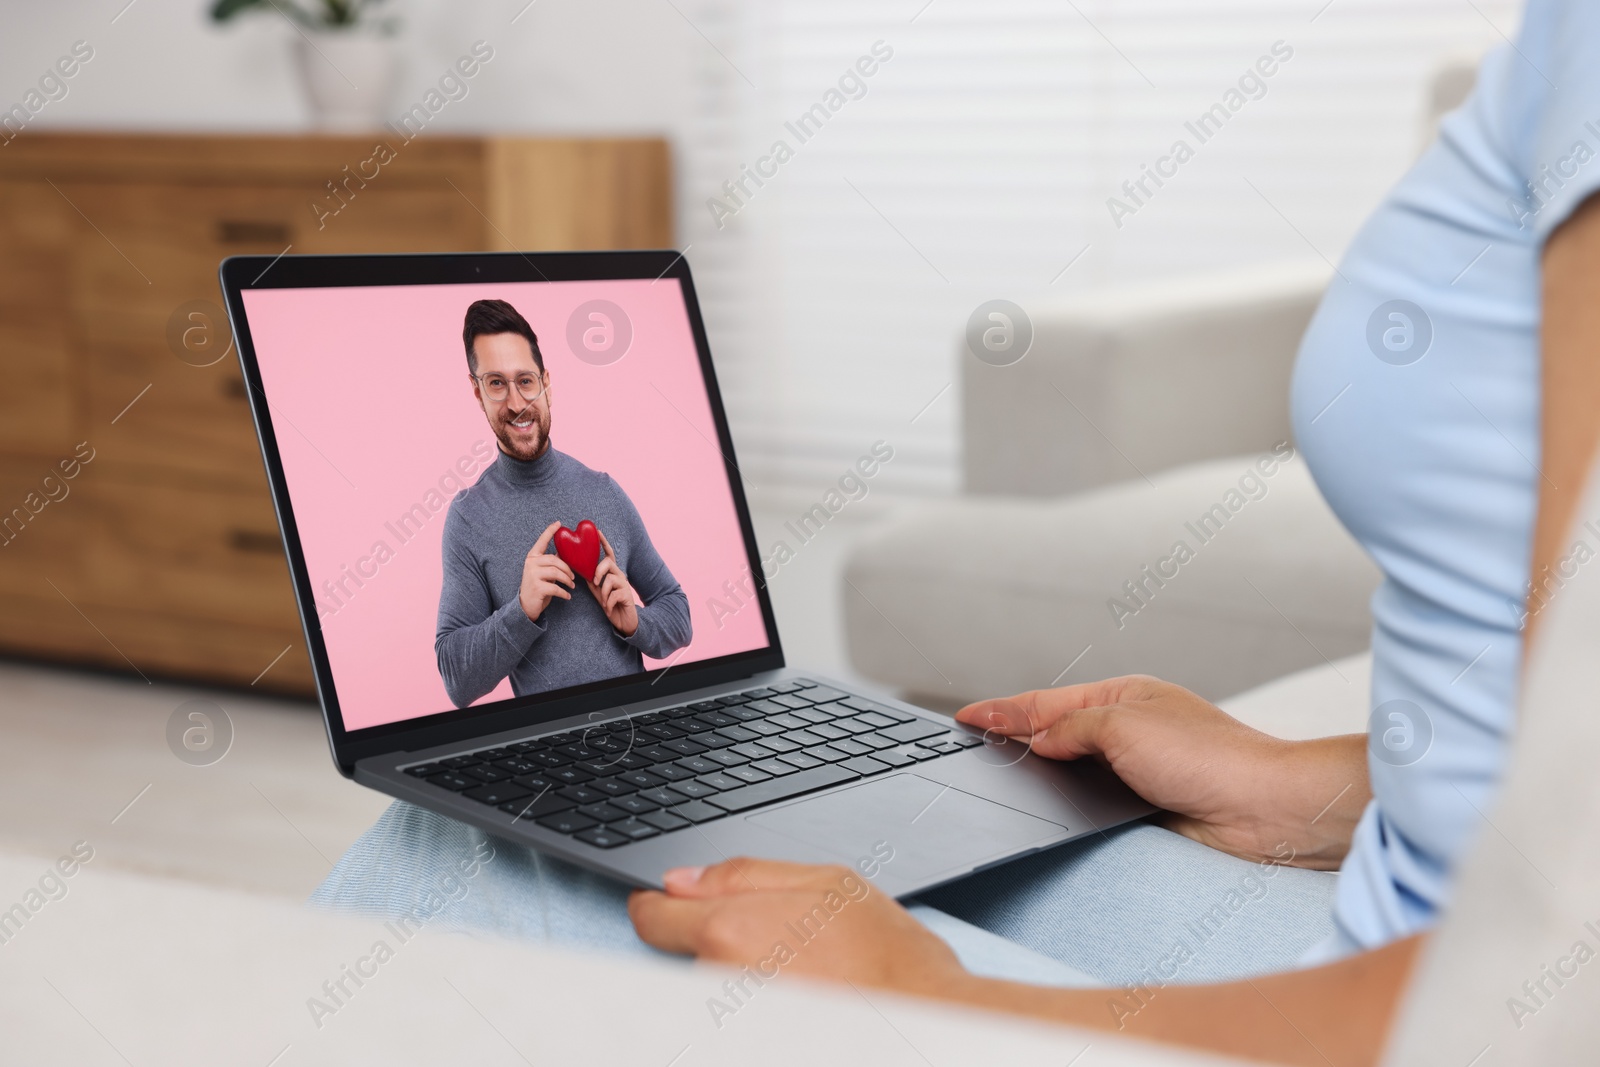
x=1420 y=424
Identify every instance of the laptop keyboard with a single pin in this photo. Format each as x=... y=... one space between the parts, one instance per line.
x=638 y=777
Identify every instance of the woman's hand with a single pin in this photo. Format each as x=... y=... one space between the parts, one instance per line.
x=1227 y=785
x=827 y=922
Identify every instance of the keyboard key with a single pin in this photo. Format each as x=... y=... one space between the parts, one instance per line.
x=537 y=807
x=453 y=781
x=679 y=713
x=602 y=812
x=753 y=796
x=568 y=822
x=538 y=783
x=548 y=758
x=918 y=753
x=634 y=805
x=815 y=715
x=601 y=837
x=661 y=797
x=893 y=758
x=788 y=721
x=634 y=829
x=775 y=767
x=864 y=765
x=525 y=747
x=484 y=772
x=915 y=730
x=582 y=794
x=873 y=741
x=600 y=768
x=733 y=701
x=801 y=760
x=863 y=704
x=821 y=694
x=708 y=739
x=828 y=730
x=649 y=718
x=944 y=746
x=766 y=707
x=422 y=770
x=705 y=705
x=664 y=821
x=517 y=765
x=776 y=744
x=492 y=754
x=455 y=763
x=872 y=718
x=642 y=779
x=497 y=794
x=853 y=726
x=613 y=787
x=738 y=734
x=630 y=761
x=759 y=694
x=827 y=753
x=787 y=687
x=804 y=738
x=568 y=775
x=753 y=751
x=805 y=683
x=698 y=765
x=664 y=731
x=740 y=713
x=790 y=701
x=722 y=782
x=672 y=772
x=716 y=718
x=697 y=811
x=656 y=754
x=684 y=747
x=748 y=774
x=727 y=758
x=765 y=729
x=850 y=745
x=694 y=789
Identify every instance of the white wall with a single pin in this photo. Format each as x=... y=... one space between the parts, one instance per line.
x=592 y=65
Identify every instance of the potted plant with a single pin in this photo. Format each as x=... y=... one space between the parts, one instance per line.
x=344 y=51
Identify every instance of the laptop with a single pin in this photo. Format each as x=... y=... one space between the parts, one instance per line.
x=534 y=600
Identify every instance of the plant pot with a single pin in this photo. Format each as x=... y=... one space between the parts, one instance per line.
x=348 y=77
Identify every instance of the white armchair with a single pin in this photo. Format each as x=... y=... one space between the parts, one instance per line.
x=1136 y=415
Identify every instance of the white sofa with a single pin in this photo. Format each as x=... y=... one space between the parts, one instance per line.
x=1130 y=419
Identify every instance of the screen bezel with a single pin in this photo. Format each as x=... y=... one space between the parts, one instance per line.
x=241 y=273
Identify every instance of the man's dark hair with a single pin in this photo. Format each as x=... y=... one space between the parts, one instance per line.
x=496 y=316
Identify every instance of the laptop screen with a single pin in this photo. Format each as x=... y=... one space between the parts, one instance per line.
x=503 y=489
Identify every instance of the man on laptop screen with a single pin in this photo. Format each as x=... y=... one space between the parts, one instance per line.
x=510 y=606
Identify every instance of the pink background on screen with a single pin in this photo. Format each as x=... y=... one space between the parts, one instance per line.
x=372 y=406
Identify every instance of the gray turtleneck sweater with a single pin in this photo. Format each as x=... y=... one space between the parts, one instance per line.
x=485 y=636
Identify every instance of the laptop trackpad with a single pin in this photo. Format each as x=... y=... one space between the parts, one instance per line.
x=932 y=828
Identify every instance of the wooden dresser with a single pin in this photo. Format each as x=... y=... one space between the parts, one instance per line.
x=160 y=554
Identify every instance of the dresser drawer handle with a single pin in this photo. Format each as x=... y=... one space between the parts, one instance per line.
x=253 y=232
x=269 y=544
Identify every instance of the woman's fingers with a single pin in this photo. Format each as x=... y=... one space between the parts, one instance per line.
x=743 y=874
x=1037 y=710
x=670 y=923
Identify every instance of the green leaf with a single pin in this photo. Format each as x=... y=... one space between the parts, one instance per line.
x=223 y=10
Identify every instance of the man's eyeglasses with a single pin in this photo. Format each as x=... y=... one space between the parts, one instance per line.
x=497 y=386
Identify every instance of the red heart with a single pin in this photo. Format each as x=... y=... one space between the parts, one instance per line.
x=581 y=550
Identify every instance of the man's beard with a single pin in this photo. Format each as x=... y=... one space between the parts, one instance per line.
x=522 y=450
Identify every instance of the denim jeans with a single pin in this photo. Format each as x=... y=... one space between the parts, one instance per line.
x=1130 y=905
